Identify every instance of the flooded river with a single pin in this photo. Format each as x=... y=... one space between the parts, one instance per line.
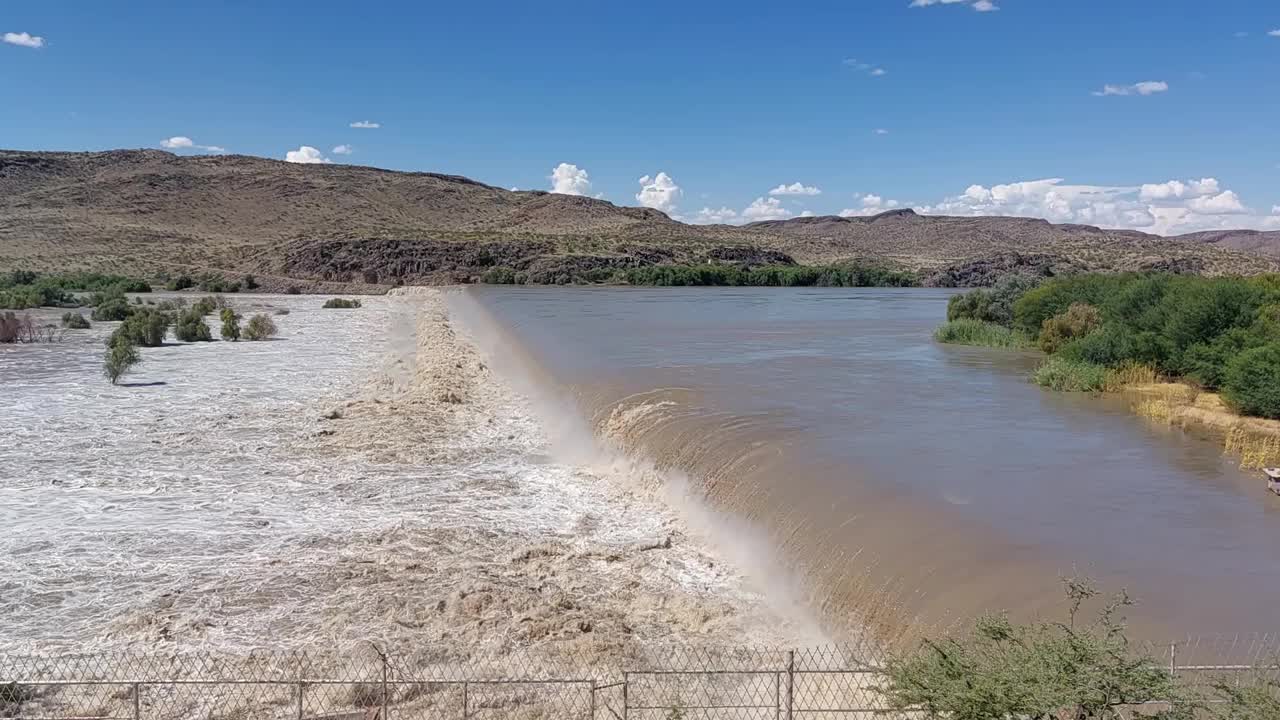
x=897 y=477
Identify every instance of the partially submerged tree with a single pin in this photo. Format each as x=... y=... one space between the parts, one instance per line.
x=260 y=327
x=191 y=327
x=230 y=324
x=121 y=356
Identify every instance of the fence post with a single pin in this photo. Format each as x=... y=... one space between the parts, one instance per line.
x=626 y=684
x=593 y=700
x=137 y=701
x=1173 y=659
x=301 y=685
x=466 y=687
x=386 y=701
x=791 y=682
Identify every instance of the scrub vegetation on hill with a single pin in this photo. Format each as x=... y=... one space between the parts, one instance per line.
x=1219 y=334
x=850 y=274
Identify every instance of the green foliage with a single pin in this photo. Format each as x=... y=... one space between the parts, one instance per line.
x=1078 y=321
x=340 y=304
x=249 y=282
x=144 y=327
x=207 y=304
x=1059 y=373
x=991 y=305
x=217 y=284
x=25 y=289
x=259 y=327
x=966 y=331
x=293 y=290
x=112 y=310
x=1001 y=669
x=839 y=275
x=1252 y=382
x=182 y=282
x=74 y=321
x=500 y=275
x=230 y=324
x=191 y=327
x=121 y=356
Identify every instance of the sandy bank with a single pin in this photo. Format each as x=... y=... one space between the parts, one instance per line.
x=1255 y=440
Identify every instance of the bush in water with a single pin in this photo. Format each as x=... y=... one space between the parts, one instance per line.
x=260 y=327
x=121 y=356
x=74 y=321
x=191 y=327
x=230 y=324
x=1058 y=373
x=144 y=327
x=966 y=331
x=340 y=304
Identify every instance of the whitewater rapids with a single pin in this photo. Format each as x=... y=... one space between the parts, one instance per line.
x=365 y=477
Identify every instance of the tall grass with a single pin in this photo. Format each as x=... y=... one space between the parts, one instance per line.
x=1256 y=449
x=1071 y=375
x=976 y=332
x=1130 y=374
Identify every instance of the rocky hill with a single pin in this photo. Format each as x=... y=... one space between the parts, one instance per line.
x=151 y=210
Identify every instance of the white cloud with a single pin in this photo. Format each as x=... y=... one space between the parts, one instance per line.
x=659 y=192
x=879 y=71
x=306 y=155
x=881 y=131
x=765 y=209
x=795 y=188
x=865 y=67
x=708 y=216
x=979 y=5
x=569 y=179
x=182 y=142
x=1273 y=33
x=366 y=125
x=1146 y=87
x=23 y=39
x=342 y=150
x=807 y=213
x=872 y=204
x=1167 y=208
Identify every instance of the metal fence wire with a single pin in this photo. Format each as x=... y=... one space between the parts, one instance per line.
x=644 y=683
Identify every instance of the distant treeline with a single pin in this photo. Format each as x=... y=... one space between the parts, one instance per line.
x=22 y=289
x=1217 y=333
x=838 y=275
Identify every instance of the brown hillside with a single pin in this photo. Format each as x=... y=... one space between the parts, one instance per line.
x=147 y=209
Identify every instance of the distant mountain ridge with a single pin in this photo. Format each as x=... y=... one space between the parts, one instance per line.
x=149 y=209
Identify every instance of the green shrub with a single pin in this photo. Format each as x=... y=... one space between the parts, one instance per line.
x=293 y=290
x=1252 y=381
x=340 y=304
x=500 y=275
x=1057 y=373
x=259 y=327
x=976 y=332
x=191 y=327
x=121 y=356
x=1078 y=321
x=249 y=282
x=74 y=321
x=112 y=310
x=230 y=324
x=144 y=327
x=992 y=305
x=1069 y=669
x=217 y=284
x=182 y=282
x=207 y=304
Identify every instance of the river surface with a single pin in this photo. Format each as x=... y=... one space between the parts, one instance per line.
x=897 y=477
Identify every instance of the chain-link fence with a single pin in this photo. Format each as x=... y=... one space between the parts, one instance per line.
x=577 y=682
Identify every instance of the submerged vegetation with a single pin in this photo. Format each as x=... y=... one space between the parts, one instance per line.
x=23 y=329
x=23 y=289
x=260 y=327
x=1221 y=334
x=340 y=304
x=966 y=331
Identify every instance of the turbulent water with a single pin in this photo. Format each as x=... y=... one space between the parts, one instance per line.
x=902 y=480
x=365 y=476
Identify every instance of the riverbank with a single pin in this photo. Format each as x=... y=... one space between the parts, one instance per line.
x=1256 y=441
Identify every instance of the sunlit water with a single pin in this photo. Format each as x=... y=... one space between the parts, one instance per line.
x=879 y=459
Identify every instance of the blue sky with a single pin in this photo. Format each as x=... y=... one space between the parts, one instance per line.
x=726 y=100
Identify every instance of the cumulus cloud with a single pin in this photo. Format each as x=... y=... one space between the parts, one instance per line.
x=711 y=216
x=182 y=142
x=1146 y=87
x=306 y=155
x=1274 y=33
x=365 y=125
x=342 y=150
x=659 y=192
x=1167 y=208
x=865 y=67
x=881 y=131
x=765 y=209
x=795 y=188
x=872 y=204
x=979 y=5
x=569 y=179
x=24 y=39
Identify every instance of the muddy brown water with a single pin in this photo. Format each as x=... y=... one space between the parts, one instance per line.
x=882 y=465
